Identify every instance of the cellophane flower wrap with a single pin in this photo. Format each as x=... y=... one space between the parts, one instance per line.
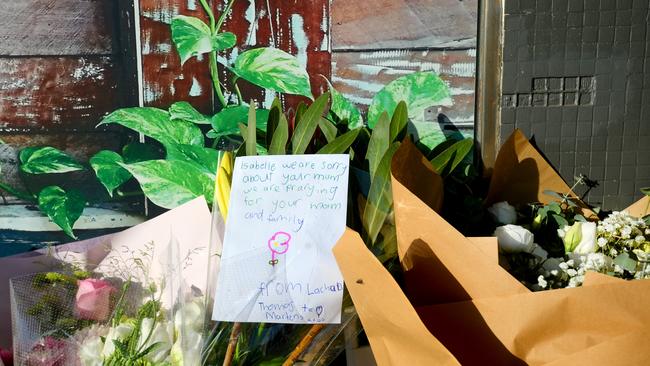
x=118 y=314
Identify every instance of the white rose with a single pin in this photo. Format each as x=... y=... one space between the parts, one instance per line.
x=580 y=238
x=90 y=352
x=118 y=333
x=159 y=333
x=503 y=213
x=514 y=239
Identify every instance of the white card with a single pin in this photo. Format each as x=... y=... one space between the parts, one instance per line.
x=286 y=213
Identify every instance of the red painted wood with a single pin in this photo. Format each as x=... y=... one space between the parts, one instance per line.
x=166 y=81
x=56 y=94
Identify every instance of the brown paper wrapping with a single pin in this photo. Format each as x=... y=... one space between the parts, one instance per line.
x=640 y=208
x=460 y=306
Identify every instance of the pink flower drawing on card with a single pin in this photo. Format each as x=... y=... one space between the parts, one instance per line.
x=278 y=244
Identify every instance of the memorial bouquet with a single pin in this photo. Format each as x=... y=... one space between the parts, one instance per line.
x=459 y=306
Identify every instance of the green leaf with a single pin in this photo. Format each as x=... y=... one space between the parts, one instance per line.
x=251 y=135
x=157 y=124
x=341 y=144
x=204 y=158
x=307 y=125
x=170 y=183
x=328 y=129
x=280 y=137
x=136 y=152
x=557 y=195
x=380 y=198
x=63 y=208
x=448 y=160
x=274 y=120
x=561 y=221
x=625 y=261
x=185 y=112
x=193 y=37
x=379 y=143
x=419 y=91
x=226 y=122
x=646 y=191
x=273 y=69
x=345 y=110
x=106 y=165
x=47 y=160
x=399 y=121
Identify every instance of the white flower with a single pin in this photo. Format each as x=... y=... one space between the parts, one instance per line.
x=118 y=333
x=514 y=239
x=90 y=352
x=639 y=239
x=580 y=238
x=503 y=213
x=156 y=332
x=188 y=327
x=542 y=282
x=602 y=242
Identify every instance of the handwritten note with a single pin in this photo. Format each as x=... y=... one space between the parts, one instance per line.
x=286 y=213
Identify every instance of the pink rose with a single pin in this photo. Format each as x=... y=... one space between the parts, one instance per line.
x=93 y=299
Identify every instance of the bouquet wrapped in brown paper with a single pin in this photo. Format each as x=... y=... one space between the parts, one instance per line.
x=460 y=307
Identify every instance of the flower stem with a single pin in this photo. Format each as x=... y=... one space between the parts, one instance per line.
x=232 y=344
x=304 y=343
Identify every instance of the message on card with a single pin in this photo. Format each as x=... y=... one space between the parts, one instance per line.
x=285 y=215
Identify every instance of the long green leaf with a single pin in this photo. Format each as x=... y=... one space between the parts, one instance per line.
x=111 y=175
x=419 y=90
x=274 y=120
x=157 y=124
x=379 y=143
x=448 y=160
x=307 y=125
x=328 y=129
x=380 y=197
x=170 y=183
x=273 y=69
x=341 y=144
x=280 y=137
x=185 y=112
x=226 y=121
x=193 y=37
x=47 y=160
x=251 y=136
x=63 y=208
x=204 y=158
x=399 y=121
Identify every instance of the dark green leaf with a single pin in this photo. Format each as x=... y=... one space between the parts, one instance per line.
x=251 y=136
x=561 y=221
x=646 y=191
x=157 y=124
x=203 y=157
x=449 y=159
x=553 y=194
x=274 y=120
x=226 y=122
x=419 y=90
x=399 y=121
x=280 y=137
x=379 y=143
x=136 y=151
x=185 y=112
x=193 y=37
x=625 y=261
x=307 y=125
x=579 y=218
x=63 y=208
x=273 y=69
x=380 y=198
x=345 y=110
x=170 y=183
x=46 y=160
x=328 y=129
x=341 y=144
x=106 y=165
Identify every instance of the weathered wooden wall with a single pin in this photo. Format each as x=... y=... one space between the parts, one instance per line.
x=298 y=27
x=377 y=41
x=60 y=72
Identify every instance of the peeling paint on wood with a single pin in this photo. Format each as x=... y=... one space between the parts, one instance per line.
x=55 y=94
x=360 y=75
x=298 y=27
